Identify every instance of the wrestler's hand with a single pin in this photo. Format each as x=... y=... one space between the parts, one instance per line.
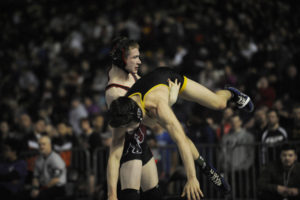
x=34 y=193
x=282 y=190
x=192 y=190
x=174 y=90
x=293 y=191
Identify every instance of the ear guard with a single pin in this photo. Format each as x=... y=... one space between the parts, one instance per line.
x=118 y=52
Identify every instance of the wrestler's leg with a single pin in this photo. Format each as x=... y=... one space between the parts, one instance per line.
x=196 y=92
x=149 y=182
x=130 y=178
x=149 y=177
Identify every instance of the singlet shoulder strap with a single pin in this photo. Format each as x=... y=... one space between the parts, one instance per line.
x=117 y=85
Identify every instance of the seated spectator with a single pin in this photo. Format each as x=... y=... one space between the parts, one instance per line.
x=98 y=123
x=12 y=171
x=90 y=140
x=77 y=112
x=281 y=180
x=4 y=131
x=225 y=126
x=65 y=142
x=295 y=124
x=24 y=126
x=91 y=107
x=49 y=173
x=31 y=145
x=266 y=93
x=33 y=137
x=166 y=159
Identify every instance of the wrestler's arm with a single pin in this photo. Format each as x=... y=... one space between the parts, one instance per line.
x=116 y=148
x=115 y=153
x=168 y=120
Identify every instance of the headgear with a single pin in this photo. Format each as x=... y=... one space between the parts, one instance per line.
x=119 y=49
x=124 y=110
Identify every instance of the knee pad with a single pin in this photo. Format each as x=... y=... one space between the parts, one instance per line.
x=151 y=194
x=131 y=194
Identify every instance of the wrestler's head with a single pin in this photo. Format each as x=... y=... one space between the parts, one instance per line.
x=125 y=54
x=125 y=112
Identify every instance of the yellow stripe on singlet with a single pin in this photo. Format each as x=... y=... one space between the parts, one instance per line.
x=143 y=99
x=183 y=84
x=140 y=95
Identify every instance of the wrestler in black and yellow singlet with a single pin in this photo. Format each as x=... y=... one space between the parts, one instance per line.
x=135 y=147
x=159 y=76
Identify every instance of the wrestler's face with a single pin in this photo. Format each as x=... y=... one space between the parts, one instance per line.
x=133 y=60
x=288 y=158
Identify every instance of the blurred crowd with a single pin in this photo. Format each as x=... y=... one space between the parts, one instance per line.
x=54 y=56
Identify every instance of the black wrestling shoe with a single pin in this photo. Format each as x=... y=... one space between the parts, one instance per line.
x=242 y=100
x=217 y=179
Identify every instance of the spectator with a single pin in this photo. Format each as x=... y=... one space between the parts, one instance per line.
x=77 y=112
x=12 y=171
x=24 y=126
x=65 y=142
x=91 y=107
x=281 y=180
x=237 y=156
x=237 y=152
x=98 y=123
x=49 y=173
x=294 y=133
x=272 y=136
x=90 y=140
x=225 y=124
x=290 y=83
x=4 y=131
x=106 y=138
x=39 y=129
x=31 y=145
x=259 y=123
x=166 y=159
x=266 y=94
x=200 y=131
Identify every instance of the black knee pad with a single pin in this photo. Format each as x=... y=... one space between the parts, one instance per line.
x=151 y=194
x=129 y=194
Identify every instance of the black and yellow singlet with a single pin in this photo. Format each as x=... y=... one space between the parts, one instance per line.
x=157 y=77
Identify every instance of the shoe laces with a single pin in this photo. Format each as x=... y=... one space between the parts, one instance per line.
x=241 y=100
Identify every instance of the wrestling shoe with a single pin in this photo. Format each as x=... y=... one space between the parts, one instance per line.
x=217 y=179
x=242 y=100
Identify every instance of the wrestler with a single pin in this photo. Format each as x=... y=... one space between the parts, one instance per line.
x=149 y=97
x=137 y=158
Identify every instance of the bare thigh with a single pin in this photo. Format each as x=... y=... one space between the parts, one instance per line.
x=196 y=92
x=149 y=175
x=130 y=174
